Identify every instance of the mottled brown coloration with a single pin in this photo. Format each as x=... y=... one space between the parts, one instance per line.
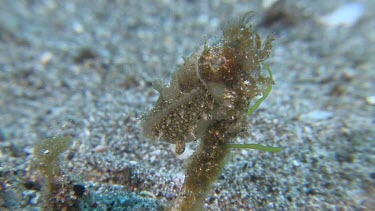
x=216 y=82
x=208 y=98
x=178 y=123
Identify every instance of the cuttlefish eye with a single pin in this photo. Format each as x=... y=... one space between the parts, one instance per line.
x=217 y=65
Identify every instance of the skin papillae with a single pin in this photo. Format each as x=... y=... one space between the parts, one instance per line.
x=208 y=98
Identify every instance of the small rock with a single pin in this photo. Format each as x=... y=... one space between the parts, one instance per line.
x=85 y=54
x=296 y=163
x=370 y=100
x=46 y=58
x=266 y=4
x=100 y=148
x=316 y=115
x=78 y=28
x=346 y=15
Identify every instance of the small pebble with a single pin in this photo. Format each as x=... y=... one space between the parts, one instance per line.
x=346 y=15
x=370 y=100
x=296 y=163
x=77 y=27
x=266 y=4
x=101 y=148
x=133 y=162
x=316 y=115
x=46 y=58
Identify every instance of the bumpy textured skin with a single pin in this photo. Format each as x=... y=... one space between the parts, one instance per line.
x=217 y=82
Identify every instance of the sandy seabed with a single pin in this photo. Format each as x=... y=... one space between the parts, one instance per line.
x=84 y=68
